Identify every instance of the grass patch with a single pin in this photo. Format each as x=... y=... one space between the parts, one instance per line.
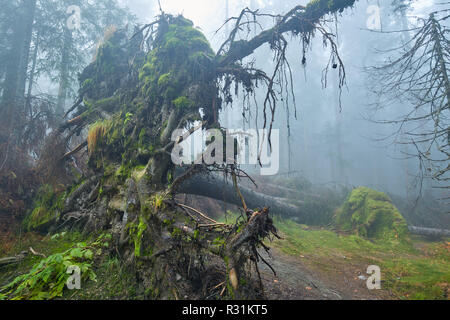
x=418 y=269
x=415 y=270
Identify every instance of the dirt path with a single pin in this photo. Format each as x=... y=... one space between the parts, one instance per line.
x=296 y=281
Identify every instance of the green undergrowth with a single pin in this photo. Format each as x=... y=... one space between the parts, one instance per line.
x=410 y=270
x=39 y=278
x=47 y=205
x=414 y=269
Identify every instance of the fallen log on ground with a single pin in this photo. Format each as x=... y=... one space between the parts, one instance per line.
x=429 y=232
x=13 y=260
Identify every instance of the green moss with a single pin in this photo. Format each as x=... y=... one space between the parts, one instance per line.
x=138 y=172
x=180 y=58
x=110 y=104
x=183 y=103
x=47 y=206
x=87 y=83
x=158 y=201
x=219 y=242
x=136 y=232
x=40 y=218
x=317 y=8
x=123 y=173
x=371 y=214
x=171 y=67
x=164 y=80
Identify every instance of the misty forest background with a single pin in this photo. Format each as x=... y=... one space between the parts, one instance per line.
x=330 y=139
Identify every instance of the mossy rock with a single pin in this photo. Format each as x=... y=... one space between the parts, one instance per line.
x=371 y=214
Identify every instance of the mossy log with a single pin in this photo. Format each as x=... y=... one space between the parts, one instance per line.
x=371 y=214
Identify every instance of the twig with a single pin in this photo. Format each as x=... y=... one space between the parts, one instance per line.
x=37 y=253
x=198 y=212
x=244 y=205
x=74 y=151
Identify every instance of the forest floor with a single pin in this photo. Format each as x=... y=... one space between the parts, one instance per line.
x=311 y=264
x=295 y=280
x=315 y=263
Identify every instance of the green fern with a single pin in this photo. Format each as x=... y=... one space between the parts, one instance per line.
x=47 y=279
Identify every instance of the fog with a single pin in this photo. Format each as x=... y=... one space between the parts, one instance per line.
x=329 y=142
x=329 y=135
x=327 y=145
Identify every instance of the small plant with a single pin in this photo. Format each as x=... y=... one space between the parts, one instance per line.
x=58 y=236
x=158 y=202
x=128 y=118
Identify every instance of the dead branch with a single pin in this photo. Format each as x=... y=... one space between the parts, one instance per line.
x=74 y=151
x=299 y=20
x=198 y=212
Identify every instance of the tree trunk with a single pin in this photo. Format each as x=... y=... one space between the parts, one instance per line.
x=25 y=53
x=64 y=73
x=17 y=61
x=31 y=78
x=208 y=187
x=12 y=103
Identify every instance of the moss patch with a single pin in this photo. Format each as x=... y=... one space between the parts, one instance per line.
x=371 y=214
x=47 y=205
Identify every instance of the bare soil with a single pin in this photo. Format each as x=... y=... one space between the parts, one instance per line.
x=295 y=280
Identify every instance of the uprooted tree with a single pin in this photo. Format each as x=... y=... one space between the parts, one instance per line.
x=135 y=94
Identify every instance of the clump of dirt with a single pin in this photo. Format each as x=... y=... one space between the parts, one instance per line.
x=371 y=214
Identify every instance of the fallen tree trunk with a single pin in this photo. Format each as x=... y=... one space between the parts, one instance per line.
x=429 y=232
x=13 y=260
x=216 y=187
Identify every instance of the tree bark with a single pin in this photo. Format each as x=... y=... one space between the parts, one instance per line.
x=31 y=78
x=12 y=100
x=17 y=60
